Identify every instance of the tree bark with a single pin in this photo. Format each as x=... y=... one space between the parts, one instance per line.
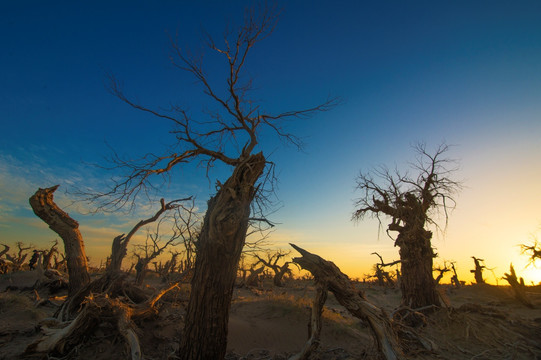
x=218 y=252
x=328 y=274
x=416 y=283
x=68 y=229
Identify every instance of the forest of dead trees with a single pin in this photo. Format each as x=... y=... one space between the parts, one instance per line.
x=207 y=252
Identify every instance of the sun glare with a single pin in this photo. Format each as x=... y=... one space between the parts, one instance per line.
x=531 y=275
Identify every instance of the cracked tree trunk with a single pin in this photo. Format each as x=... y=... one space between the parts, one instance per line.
x=417 y=284
x=68 y=229
x=329 y=275
x=218 y=252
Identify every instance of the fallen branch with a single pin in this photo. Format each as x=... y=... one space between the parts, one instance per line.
x=330 y=276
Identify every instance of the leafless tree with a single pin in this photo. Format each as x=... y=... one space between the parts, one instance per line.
x=478 y=271
x=5 y=265
x=120 y=243
x=518 y=287
x=5 y=251
x=441 y=270
x=383 y=277
x=454 y=278
x=48 y=255
x=229 y=134
x=153 y=247
x=533 y=251
x=412 y=202
x=187 y=224
x=167 y=268
x=271 y=261
x=18 y=259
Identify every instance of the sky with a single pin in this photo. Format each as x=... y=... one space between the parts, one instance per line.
x=467 y=74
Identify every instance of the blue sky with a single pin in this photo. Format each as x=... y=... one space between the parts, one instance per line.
x=468 y=74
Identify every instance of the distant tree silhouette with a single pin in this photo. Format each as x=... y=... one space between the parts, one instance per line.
x=533 y=251
x=383 y=277
x=411 y=202
x=478 y=271
x=271 y=261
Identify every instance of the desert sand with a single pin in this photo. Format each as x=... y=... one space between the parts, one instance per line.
x=482 y=322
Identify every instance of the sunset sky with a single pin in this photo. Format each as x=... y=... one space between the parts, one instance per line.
x=465 y=74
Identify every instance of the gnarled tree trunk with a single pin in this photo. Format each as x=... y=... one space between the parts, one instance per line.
x=218 y=252
x=68 y=229
x=417 y=284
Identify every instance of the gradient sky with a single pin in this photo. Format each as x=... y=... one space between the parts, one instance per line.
x=467 y=74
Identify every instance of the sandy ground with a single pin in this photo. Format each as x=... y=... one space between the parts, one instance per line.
x=484 y=322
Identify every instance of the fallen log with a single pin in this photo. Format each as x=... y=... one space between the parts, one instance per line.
x=329 y=275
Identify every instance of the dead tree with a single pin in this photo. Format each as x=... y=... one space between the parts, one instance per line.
x=272 y=263
x=60 y=222
x=48 y=255
x=187 y=223
x=533 y=251
x=518 y=287
x=167 y=268
x=383 y=277
x=227 y=133
x=152 y=248
x=253 y=277
x=478 y=271
x=411 y=202
x=5 y=264
x=454 y=278
x=5 y=251
x=120 y=243
x=18 y=259
x=60 y=264
x=329 y=276
x=442 y=270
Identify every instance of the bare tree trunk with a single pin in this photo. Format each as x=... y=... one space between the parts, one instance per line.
x=478 y=271
x=68 y=229
x=416 y=283
x=279 y=274
x=315 y=324
x=141 y=271
x=252 y=279
x=518 y=287
x=328 y=274
x=218 y=252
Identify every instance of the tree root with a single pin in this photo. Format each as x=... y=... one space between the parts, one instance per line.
x=61 y=336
